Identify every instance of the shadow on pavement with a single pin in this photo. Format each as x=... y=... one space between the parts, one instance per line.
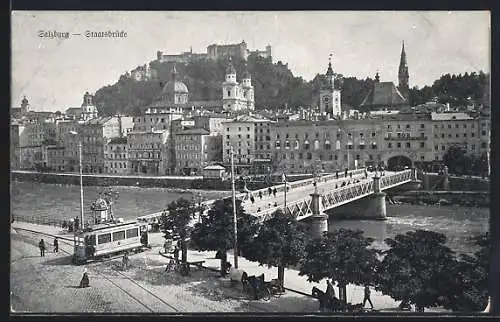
x=63 y=260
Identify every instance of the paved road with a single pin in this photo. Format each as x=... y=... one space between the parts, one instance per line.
x=301 y=192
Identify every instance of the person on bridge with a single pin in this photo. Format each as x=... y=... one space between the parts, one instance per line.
x=41 y=245
x=367 y=297
x=274 y=192
x=269 y=190
x=330 y=291
x=56 y=245
x=350 y=174
x=336 y=174
x=346 y=172
x=260 y=195
x=252 y=199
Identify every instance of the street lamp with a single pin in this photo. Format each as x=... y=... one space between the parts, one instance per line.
x=234 y=212
x=81 y=178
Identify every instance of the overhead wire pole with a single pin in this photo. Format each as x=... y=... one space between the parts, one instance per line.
x=234 y=212
x=284 y=180
x=81 y=185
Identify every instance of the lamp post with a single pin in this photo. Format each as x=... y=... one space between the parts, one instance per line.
x=82 y=223
x=234 y=212
x=283 y=178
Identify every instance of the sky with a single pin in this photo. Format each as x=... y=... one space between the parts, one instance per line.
x=54 y=74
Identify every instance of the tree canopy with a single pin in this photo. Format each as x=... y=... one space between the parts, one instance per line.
x=343 y=255
x=279 y=242
x=215 y=231
x=416 y=268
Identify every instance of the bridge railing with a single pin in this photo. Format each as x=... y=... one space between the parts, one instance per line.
x=297 y=184
x=395 y=179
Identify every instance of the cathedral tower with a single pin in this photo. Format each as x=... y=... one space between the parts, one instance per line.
x=330 y=96
x=248 y=92
x=403 y=76
x=230 y=89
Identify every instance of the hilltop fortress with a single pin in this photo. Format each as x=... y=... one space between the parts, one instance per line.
x=236 y=51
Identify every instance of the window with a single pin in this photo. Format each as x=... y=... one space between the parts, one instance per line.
x=373 y=134
x=449 y=126
x=389 y=145
x=422 y=135
x=398 y=145
x=422 y=126
x=248 y=136
x=227 y=137
x=443 y=147
x=408 y=145
x=104 y=238
x=483 y=145
x=483 y=132
x=248 y=129
x=473 y=147
x=442 y=135
x=228 y=93
x=239 y=129
x=300 y=156
x=370 y=157
x=465 y=135
x=309 y=155
x=119 y=235
x=407 y=126
x=472 y=134
x=436 y=148
x=456 y=126
x=422 y=144
x=465 y=126
x=134 y=232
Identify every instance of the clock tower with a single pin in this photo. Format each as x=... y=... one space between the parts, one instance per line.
x=330 y=96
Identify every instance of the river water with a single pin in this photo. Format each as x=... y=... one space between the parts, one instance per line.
x=63 y=202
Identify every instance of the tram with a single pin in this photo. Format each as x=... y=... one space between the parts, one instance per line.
x=106 y=236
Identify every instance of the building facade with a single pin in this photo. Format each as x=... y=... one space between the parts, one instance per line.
x=116 y=156
x=195 y=149
x=239 y=134
x=147 y=152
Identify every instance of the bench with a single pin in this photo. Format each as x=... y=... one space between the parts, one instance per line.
x=196 y=263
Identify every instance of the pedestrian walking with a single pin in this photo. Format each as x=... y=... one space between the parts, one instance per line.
x=56 y=245
x=41 y=245
x=350 y=174
x=125 y=261
x=176 y=254
x=269 y=190
x=252 y=199
x=330 y=291
x=367 y=297
x=260 y=195
x=345 y=174
x=274 y=192
x=336 y=174
x=366 y=174
x=84 y=282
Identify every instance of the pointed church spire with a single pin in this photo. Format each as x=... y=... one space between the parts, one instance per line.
x=403 y=75
x=377 y=77
x=329 y=71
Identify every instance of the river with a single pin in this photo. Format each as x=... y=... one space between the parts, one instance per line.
x=63 y=202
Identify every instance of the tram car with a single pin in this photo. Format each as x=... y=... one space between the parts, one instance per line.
x=106 y=236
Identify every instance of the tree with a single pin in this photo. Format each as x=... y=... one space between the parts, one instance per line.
x=470 y=278
x=416 y=268
x=279 y=242
x=344 y=256
x=175 y=223
x=455 y=159
x=215 y=231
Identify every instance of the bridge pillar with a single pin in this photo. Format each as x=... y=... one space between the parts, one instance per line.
x=377 y=201
x=446 y=181
x=415 y=183
x=319 y=220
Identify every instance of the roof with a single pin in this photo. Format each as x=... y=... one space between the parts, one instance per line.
x=450 y=116
x=175 y=87
x=118 y=140
x=99 y=120
x=214 y=167
x=74 y=110
x=384 y=94
x=199 y=131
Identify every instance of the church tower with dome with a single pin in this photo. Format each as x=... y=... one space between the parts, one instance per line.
x=174 y=92
x=89 y=111
x=330 y=96
x=235 y=96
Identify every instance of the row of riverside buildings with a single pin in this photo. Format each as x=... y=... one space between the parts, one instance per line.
x=174 y=137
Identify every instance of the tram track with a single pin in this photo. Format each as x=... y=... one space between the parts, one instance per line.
x=67 y=242
x=110 y=280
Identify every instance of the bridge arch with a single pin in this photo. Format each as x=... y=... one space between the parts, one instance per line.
x=399 y=162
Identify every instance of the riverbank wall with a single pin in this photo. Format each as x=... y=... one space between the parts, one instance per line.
x=178 y=182
x=433 y=181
